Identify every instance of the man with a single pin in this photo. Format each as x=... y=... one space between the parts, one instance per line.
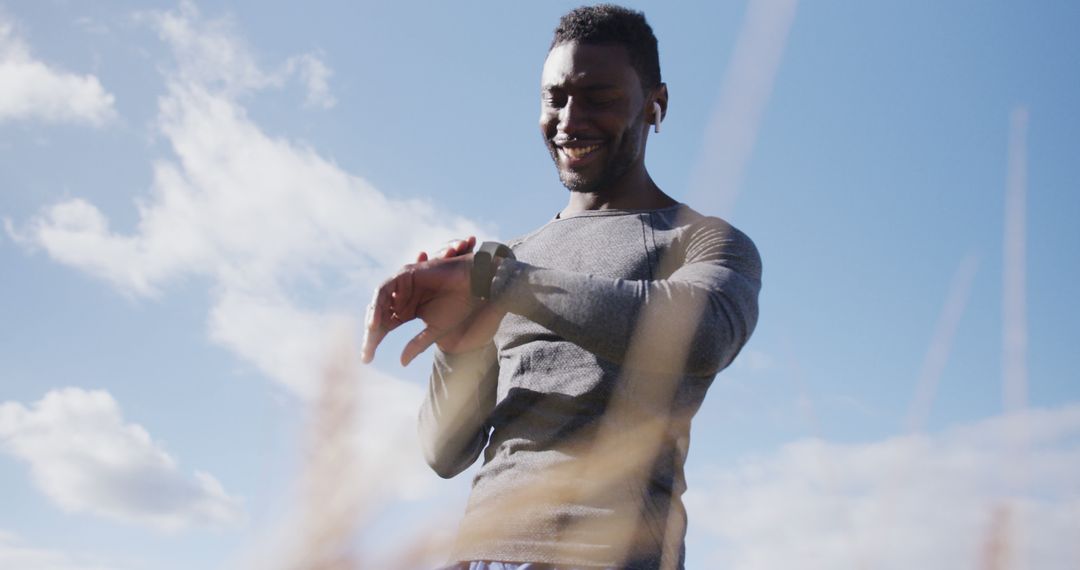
x=575 y=357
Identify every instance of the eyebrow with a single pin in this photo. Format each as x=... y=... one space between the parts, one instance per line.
x=586 y=88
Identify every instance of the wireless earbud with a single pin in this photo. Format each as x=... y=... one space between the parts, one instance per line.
x=657 y=116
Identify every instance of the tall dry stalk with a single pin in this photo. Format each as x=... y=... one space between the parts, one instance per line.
x=996 y=549
x=1007 y=532
x=332 y=505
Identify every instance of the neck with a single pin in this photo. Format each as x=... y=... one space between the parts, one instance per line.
x=634 y=191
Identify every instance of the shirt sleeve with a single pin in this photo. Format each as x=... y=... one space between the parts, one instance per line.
x=693 y=321
x=453 y=426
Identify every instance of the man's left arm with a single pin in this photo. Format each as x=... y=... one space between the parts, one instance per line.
x=705 y=309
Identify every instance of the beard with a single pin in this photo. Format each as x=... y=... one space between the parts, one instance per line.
x=623 y=154
x=613 y=169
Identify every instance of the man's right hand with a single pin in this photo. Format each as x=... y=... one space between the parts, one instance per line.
x=438 y=292
x=453 y=248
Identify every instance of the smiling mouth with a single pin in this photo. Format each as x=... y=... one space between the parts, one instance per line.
x=578 y=152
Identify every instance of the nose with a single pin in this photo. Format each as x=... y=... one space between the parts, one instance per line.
x=572 y=116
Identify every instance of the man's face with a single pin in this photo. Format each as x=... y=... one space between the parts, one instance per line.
x=592 y=114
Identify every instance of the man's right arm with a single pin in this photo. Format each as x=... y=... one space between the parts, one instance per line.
x=453 y=423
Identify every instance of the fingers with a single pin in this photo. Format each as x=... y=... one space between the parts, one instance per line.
x=389 y=308
x=402 y=301
x=417 y=345
x=457 y=247
x=374 y=329
x=398 y=299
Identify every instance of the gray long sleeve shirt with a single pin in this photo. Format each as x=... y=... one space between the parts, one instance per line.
x=634 y=311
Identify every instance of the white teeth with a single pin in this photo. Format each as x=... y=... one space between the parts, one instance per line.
x=578 y=152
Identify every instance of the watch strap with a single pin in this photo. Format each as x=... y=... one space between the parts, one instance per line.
x=483 y=268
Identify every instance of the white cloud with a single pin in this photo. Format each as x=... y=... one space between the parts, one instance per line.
x=259 y=216
x=920 y=501
x=267 y=222
x=85 y=458
x=15 y=553
x=92 y=26
x=211 y=54
x=316 y=77
x=34 y=90
x=395 y=447
x=208 y=53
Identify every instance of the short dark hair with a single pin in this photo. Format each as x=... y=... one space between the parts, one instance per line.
x=611 y=24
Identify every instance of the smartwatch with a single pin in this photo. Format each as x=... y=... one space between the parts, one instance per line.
x=483 y=268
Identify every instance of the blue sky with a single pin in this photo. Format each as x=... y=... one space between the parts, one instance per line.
x=198 y=198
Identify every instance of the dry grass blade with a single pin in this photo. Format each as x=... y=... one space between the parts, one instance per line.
x=1014 y=288
x=332 y=506
x=941 y=344
x=734 y=122
x=996 y=554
